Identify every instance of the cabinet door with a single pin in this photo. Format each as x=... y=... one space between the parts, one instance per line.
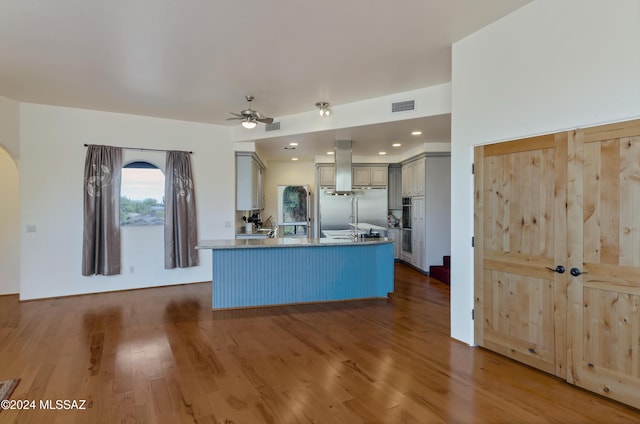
x=259 y=193
x=327 y=176
x=520 y=233
x=408 y=179
x=418 y=231
x=244 y=181
x=419 y=176
x=361 y=176
x=395 y=188
x=249 y=195
x=379 y=176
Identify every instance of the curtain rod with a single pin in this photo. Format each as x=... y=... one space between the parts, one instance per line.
x=142 y=149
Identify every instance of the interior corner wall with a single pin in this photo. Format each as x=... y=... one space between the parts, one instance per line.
x=51 y=172
x=547 y=67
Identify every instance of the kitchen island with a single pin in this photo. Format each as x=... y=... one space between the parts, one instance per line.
x=277 y=271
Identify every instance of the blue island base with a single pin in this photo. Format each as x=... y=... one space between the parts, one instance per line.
x=250 y=277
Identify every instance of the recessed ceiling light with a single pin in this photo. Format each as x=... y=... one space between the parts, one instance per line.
x=416 y=133
x=293 y=144
x=294 y=158
x=382 y=153
x=331 y=153
x=396 y=145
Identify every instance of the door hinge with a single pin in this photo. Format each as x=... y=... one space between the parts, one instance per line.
x=473 y=242
x=473 y=168
x=473 y=314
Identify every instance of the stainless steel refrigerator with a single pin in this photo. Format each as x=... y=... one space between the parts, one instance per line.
x=336 y=210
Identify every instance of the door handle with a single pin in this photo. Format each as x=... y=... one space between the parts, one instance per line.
x=559 y=269
x=575 y=272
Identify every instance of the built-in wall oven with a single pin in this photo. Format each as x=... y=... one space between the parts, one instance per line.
x=406 y=212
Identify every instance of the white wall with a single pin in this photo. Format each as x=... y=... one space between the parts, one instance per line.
x=285 y=173
x=51 y=182
x=549 y=66
x=438 y=209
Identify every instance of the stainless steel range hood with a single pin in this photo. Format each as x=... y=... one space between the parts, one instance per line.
x=343 y=167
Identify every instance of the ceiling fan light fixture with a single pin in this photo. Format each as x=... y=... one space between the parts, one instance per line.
x=324 y=108
x=249 y=123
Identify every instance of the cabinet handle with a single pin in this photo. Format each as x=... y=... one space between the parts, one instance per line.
x=559 y=269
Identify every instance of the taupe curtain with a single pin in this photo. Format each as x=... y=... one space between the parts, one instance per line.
x=101 y=236
x=180 y=229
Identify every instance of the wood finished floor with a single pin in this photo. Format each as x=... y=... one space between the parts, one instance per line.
x=162 y=356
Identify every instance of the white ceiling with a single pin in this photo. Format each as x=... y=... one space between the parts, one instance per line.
x=367 y=140
x=195 y=60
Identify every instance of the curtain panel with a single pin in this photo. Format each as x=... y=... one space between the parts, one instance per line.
x=101 y=235
x=180 y=229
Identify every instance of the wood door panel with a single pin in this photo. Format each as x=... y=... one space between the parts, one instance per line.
x=520 y=207
x=604 y=301
x=518 y=316
x=610 y=319
x=519 y=203
x=610 y=363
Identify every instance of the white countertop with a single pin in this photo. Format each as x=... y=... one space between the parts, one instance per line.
x=283 y=242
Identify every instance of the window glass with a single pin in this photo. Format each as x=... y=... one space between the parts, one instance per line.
x=141 y=195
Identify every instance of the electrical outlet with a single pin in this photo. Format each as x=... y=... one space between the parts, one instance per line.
x=31 y=228
x=227 y=224
x=132 y=269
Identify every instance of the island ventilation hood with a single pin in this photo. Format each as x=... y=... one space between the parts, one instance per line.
x=343 y=167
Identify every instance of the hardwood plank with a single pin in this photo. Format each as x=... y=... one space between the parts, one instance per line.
x=161 y=355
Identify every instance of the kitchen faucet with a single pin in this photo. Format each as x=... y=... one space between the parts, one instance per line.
x=354 y=218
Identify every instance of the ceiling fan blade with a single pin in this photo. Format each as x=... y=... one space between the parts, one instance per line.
x=234 y=119
x=235 y=114
x=265 y=120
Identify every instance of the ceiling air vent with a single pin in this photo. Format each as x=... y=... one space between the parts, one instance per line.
x=274 y=126
x=403 y=106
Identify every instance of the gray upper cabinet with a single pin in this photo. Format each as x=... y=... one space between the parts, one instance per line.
x=361 y=175
x=395 y=187
x=369 y=176
x=413 y=178
x=249 y=175
x=327 y=175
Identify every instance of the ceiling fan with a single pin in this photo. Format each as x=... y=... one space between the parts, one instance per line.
x=249 y=117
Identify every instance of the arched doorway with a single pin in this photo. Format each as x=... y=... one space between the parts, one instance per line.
x=9 y=225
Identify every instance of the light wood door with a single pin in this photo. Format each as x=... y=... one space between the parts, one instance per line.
x=520 y=228
x=604 y=244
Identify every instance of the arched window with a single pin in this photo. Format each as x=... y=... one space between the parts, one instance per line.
x=141 y=194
